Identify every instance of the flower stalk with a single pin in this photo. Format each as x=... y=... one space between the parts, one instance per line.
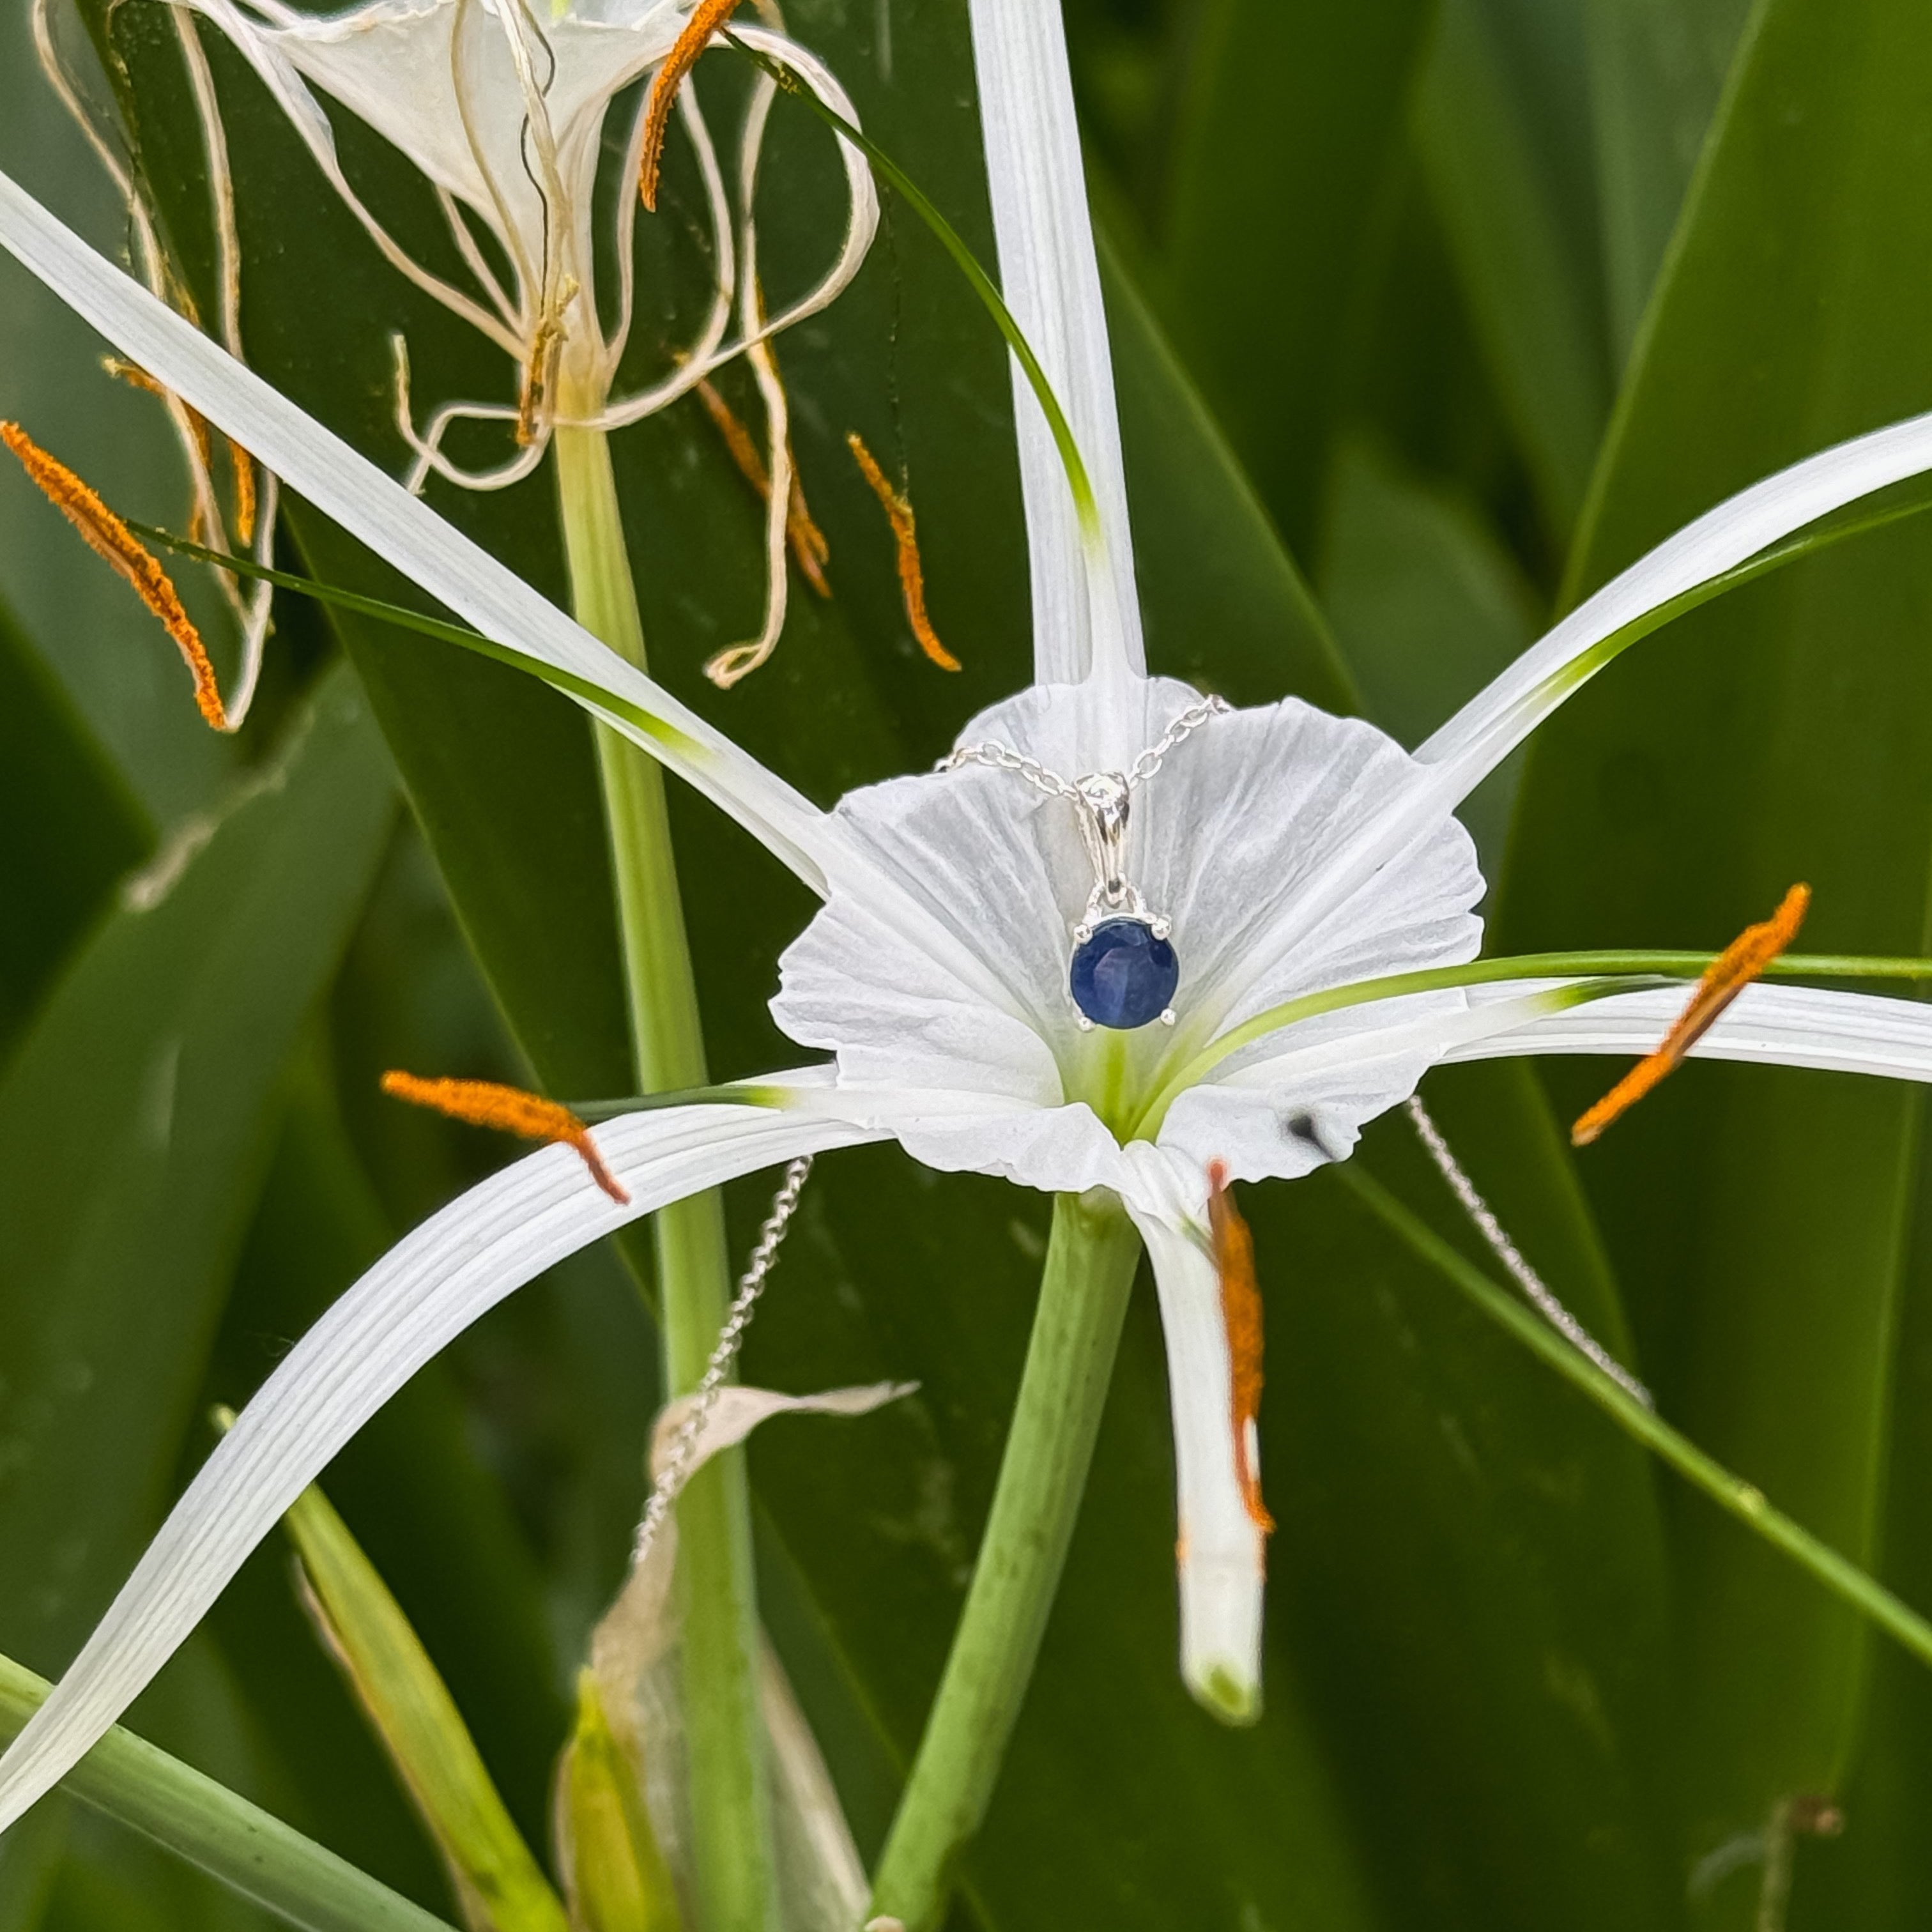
x=1083 y=1300
x=729 y=1795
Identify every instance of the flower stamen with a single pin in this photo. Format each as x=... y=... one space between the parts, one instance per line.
x=1241 y=1316
x=1727 y=976
x=484 y=1103
x=706 y=17
x=905 y=534
x=540 y=371
x=809 y=548
x=242 y=465
x=109 y=539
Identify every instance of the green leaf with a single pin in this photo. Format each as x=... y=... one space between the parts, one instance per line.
x=1760 y=1219
x=75 y=829
x=225 y=1836
x=1527 y=276
x=499 y=1883
x=1223 y=603
x=1428 y=607
x=134 y=1121
x=1472 y=1562
x=617 y=1878
x=1657 y=68
x=431 y=1516
x=1287 y=140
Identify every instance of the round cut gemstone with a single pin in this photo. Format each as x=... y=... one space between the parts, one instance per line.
x=1123 y=976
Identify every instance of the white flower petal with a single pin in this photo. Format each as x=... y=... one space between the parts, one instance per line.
x=1220 y=1549
x=423 y=1293
x=1050 y=278
x=308 y=118
x=1771 y=1025
x=1227 y=840
x=1295 y=1101
x=394 y=63
x=1480 y=736
x=405 y=532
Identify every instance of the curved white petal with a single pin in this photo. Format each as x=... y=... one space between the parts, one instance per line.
x=1050 y=278
x=1474 y=742
x=317 y=464
x=1771 y=1025
x=411 y=1305
x=1220 y=1550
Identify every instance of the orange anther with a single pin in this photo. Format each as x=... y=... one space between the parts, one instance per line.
x=905 y=534
x=483 y=1103
x=1727 y=976
x=109 y=538
x=706 y=17
x=243 y=465
x=808 y=547
x=1241 y=1316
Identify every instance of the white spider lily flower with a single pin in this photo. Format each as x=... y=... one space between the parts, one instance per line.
x=502 y=107
x=1299 y=857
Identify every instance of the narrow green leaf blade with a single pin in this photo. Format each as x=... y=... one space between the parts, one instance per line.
x=231 y=1840
x=72 y=828
x=501 y=1886
x=134 y=1123
x=1759 y=1218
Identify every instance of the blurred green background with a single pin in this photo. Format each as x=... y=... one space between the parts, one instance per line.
x=1428 y=317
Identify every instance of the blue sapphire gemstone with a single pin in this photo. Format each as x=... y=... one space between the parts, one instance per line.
x=1123 y=976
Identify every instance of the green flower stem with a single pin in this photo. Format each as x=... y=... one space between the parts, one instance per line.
x=730 y=1801
x=126 y=1778
x=1731 y=1493
x=1083 y=1300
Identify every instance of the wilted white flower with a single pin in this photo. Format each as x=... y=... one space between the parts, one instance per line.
x=502 y=110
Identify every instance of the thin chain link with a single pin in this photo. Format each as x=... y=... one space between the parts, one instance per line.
x=1507 y=1252
x=665 y=1490
x=1003 y=758
x=1189 y=721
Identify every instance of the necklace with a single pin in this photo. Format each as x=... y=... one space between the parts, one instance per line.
x=1123 y=969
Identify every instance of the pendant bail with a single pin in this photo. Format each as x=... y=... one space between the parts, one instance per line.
x=1103 y=802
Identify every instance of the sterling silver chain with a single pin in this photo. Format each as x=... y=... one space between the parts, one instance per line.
x=1003 y=758
x=677 y=1470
